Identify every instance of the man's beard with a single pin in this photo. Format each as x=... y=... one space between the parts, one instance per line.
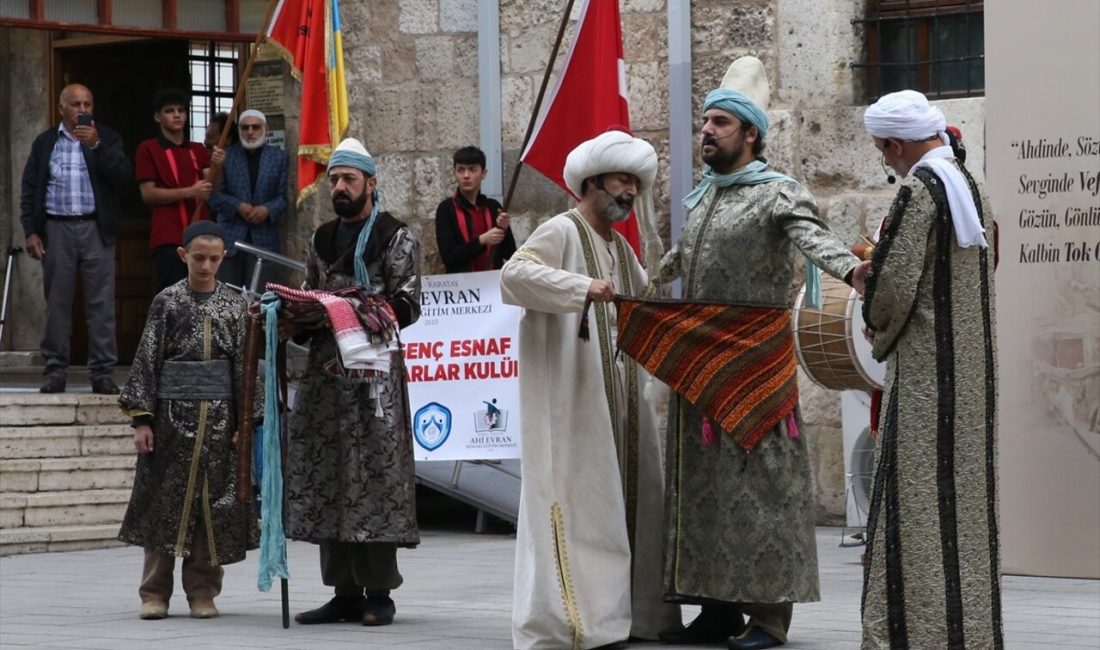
x=720 y=160
x=619 y=208
x=251 y=146
x=344 y=206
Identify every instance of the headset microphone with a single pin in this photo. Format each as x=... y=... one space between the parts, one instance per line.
x=890 y=178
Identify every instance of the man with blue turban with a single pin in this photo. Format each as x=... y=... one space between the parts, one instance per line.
x=740 y=532
x=349 y=476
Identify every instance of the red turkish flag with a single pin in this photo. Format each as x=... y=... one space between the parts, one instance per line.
x=588 y=99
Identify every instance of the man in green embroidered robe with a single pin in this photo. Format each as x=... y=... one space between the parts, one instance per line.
x=588 y=544
x=182 y=395
x=741 y=521
x=933 y=578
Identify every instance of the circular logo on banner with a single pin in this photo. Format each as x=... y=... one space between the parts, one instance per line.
x=432 y=425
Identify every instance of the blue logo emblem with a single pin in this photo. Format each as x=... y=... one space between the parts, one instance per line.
x=432 y=425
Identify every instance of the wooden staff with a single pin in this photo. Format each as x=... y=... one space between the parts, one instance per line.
x=538 y=103
x=253 y=334
x=213 y=174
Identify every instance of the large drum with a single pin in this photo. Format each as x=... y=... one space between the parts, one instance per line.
x=829 y=339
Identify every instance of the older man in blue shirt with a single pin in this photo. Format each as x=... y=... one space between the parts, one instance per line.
x=69 y=207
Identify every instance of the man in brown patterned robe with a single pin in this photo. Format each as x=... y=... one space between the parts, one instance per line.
x=182 y=395
x=933 y=578
x=350 y=475
x=741 y=521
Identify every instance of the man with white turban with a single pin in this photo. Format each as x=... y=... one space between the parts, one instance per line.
x=741 y=515
x=350 y=475
x=933 y=579
x=589 y=542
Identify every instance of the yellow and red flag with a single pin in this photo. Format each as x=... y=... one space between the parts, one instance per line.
x=307 y=34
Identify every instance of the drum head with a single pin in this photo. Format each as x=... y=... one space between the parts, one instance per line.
x=861 y=347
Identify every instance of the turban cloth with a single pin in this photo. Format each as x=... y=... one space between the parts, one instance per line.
x=611 y=152
x=907 y=115
x=904 y=115
x=352 y=153
x=737 y=104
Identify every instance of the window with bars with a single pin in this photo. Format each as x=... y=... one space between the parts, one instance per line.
x=213 y=81
x=934 y=46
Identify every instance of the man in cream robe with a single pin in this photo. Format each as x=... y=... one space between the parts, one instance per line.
x=589 y=540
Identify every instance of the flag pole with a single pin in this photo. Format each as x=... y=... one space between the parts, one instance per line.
x=538 y=102
x=214 y=173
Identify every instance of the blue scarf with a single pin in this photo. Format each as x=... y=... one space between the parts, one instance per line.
x=753 y=173
x=272 y=537
x=361 y=276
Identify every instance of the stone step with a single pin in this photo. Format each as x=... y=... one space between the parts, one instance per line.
x=67 y=508
x=25 y=409
x=57 y=474
x=14 y=541
x=63 y=441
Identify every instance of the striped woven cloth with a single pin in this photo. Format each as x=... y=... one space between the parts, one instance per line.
x=734 y=363
x=363 y=323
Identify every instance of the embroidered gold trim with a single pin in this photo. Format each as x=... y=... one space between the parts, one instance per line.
x=527 y=254
x=208 y=522
x=633 y=424
x=704 y=228
x=196 y=453
x=593 y=269
x=565 y=578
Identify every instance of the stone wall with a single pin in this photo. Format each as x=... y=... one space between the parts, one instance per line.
x=24 y=113
x=413 y=91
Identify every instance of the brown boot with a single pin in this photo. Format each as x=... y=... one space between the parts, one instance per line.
x=152 y=610
x=203 y=608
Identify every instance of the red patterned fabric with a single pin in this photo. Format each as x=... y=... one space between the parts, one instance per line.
x=736 y=364
x=358 y=319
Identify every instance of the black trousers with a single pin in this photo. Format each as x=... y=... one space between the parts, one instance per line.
x=353 y=568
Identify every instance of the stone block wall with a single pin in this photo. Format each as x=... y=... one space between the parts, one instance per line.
x=25 y=111
x=413 y=90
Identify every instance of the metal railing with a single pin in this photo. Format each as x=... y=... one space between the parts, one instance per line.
x=262 y=256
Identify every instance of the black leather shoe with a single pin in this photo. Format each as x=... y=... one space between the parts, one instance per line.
x=340 y=608
x=715 y=624
x=104 y=386
x=754 y=639
x=53 y=384
x=380 y=610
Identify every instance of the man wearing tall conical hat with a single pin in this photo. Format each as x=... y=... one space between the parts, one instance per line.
x=740 y=533
x=933 y=577
x=589 y=539
x=349 y=478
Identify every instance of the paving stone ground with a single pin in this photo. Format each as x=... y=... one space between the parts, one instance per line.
x=457 y=596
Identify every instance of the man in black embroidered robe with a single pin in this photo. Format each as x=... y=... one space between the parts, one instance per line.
x=350 y=476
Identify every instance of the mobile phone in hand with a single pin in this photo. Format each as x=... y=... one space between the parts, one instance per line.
x=84 y=119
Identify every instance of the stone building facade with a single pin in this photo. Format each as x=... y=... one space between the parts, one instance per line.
x=413 y=91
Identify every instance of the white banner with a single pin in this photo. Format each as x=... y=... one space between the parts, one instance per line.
x=1043 y=164
x=462 y=363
